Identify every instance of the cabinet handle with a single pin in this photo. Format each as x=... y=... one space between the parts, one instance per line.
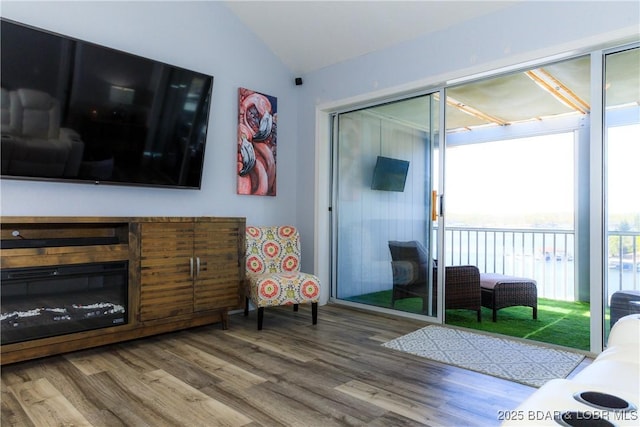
x=191 y=267
x=197 y=266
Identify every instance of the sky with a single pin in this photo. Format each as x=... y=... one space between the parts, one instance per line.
x=624 y=169
x=536 y=175
x=524 y=175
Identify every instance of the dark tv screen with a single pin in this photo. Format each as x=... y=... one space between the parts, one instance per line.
x=123 y=119
x=389 y=174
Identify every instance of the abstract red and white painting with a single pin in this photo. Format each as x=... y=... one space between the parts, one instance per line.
x=257 y=143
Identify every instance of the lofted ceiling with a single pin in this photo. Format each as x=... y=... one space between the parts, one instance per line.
x=309 y=35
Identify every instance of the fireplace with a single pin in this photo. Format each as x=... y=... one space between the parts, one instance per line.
x=41 y=302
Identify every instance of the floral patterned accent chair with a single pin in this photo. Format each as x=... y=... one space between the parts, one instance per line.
x=273 y=275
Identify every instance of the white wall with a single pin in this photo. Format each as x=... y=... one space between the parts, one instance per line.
x=203 y=36
x=206 y=37
x=526 y=31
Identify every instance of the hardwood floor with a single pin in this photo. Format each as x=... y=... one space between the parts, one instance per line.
x=291 y=373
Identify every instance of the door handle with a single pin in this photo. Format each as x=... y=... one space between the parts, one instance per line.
x=434 y=199
x=197 y=266
x=191 y=267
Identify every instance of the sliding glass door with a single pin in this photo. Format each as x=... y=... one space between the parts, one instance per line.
x=622 y=188
x=526 y=186
x=383 y=168
x=515 y=150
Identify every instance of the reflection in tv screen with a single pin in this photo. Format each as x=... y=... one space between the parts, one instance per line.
x=81 y=112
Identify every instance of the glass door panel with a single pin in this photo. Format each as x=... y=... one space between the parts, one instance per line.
x=382 y=206
x=512 y=180
x=622 y=152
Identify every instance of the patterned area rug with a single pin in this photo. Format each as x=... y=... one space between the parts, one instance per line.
x=524 y=363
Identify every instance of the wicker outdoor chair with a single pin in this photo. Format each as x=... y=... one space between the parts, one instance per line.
x=462 y=288
x=410 y=264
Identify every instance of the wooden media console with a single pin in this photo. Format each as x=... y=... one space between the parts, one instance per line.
x=182 y=272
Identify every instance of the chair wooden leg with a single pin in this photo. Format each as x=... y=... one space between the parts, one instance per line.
x=480 y=315
x=246 y=306
x=225 y=320
x=314 y=312
x=295 y=307
x=260 y=317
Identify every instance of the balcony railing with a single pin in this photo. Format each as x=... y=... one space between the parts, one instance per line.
x=545 y=255
x=624 y=260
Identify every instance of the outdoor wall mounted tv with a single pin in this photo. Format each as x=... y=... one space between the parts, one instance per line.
x=124 y=119
x=389 y=174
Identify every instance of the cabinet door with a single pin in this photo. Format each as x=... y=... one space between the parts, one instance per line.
x=218 y=278
x=166 y=272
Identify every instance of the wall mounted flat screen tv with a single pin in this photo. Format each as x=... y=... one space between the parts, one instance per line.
x=79 y=112
x=389 y=174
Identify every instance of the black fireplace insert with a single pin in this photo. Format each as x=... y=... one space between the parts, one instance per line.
x=41 y=302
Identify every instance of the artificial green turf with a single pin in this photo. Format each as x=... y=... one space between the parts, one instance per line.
x=559 y=322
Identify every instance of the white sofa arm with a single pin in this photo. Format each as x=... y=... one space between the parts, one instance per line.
x=76 y=149
x=69 y=135
x=625 y=331
x=616 y=371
